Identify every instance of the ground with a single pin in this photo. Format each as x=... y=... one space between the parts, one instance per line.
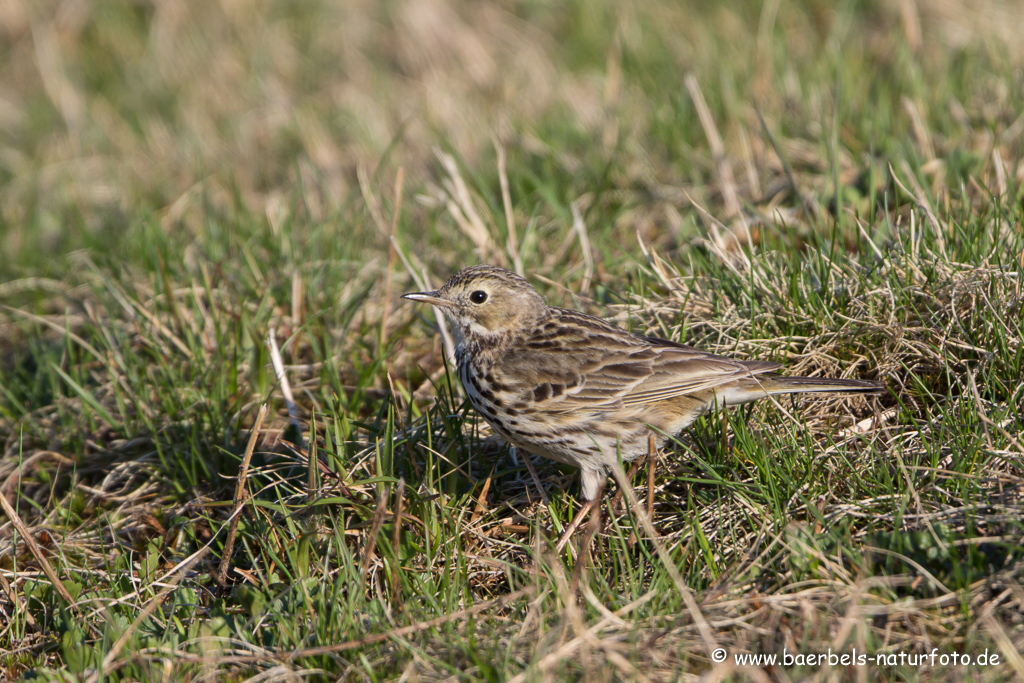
x=836 y=187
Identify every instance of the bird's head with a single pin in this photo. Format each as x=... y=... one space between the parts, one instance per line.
x=485 y=302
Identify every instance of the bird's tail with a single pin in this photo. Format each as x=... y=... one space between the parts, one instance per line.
x=770 y=384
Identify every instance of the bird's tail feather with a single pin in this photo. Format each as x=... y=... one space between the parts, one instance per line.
x=754 y=388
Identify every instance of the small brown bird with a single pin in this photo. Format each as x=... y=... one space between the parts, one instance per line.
x=576 y=389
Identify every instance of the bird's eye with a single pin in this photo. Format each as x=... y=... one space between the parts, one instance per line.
x=478 y=297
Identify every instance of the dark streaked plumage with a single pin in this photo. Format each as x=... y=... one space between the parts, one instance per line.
x=576 y=389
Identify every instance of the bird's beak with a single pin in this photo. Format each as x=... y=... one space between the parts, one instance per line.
x=428 y=298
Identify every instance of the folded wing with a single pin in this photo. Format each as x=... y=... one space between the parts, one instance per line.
x=581 y=363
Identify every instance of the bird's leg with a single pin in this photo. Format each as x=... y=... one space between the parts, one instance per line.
x=616 y=504
x=583 y=557
x=533 y=475
x=652 y=464
x=588 y=506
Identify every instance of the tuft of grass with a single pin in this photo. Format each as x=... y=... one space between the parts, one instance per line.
x=836 y=188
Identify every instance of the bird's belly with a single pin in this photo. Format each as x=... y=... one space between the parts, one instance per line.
x=588 y=448
x=592 y=445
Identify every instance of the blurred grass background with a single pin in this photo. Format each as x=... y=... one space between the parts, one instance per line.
x=177 y=114
x=177 y=178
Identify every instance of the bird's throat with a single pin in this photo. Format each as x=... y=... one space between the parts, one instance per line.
x=473 y=338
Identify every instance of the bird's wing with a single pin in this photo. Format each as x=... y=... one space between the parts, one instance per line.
x=578 y=362
x=686 y=371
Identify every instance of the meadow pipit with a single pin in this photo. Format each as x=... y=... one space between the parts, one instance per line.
x=582 y=391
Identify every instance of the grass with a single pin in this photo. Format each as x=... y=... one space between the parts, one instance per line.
x=836 y=187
